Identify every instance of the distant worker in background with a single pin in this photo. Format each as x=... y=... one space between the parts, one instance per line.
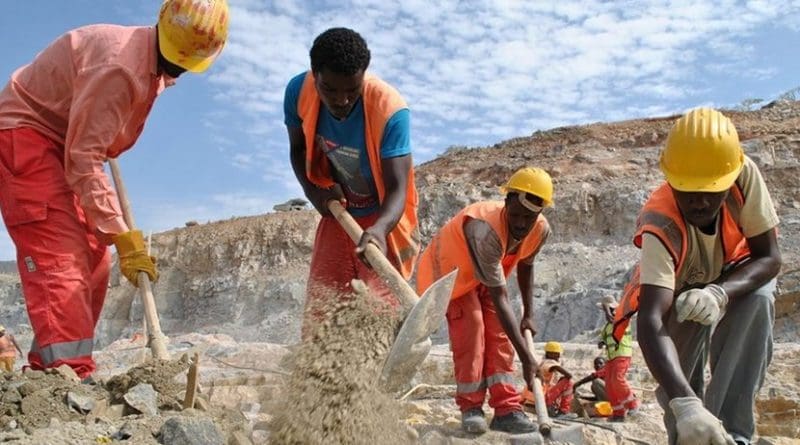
x=704 y=284
x=556 y=382
x=618 y=353
x=597 y=378
x=486 y=241
x=350 y=141
x=82 y=100
x=8 y=350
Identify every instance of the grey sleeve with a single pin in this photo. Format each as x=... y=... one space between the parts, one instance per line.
x=486 y=253
x=545 y=234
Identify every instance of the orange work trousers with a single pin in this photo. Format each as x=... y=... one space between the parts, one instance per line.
x=619 y=392
x=63 y=267
x=559 y=395
x=483 y=356
x=333 y=265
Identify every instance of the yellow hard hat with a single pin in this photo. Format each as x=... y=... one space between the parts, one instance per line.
x=553 y=346
x=531 y=180
x=191 y=33
x=702 y=153
x=2 y=328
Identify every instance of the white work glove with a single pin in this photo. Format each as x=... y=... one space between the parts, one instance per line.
x=697 y=426
x=702 y=305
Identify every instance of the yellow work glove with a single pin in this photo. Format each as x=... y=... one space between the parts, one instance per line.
x=133 y=257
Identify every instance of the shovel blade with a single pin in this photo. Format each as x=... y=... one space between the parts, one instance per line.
x=412 y=343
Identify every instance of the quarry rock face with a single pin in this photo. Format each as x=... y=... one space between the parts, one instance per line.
x=237 y=287
x=245 y=277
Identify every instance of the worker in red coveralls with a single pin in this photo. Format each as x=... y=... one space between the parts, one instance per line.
x=82 y=100
x=486 y=241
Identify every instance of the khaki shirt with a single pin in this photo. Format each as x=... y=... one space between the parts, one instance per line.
x=486 y=252
x=704 y=254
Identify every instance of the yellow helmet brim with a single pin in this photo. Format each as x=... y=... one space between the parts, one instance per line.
x=696 y=184
x=173 y=55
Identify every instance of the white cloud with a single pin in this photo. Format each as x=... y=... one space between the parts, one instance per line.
x=475 y=72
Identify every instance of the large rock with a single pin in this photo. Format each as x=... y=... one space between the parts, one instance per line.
x=190 y=431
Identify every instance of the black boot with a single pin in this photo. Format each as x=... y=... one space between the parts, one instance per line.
x=515 y=422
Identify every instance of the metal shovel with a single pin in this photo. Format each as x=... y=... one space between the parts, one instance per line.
x=422 y=315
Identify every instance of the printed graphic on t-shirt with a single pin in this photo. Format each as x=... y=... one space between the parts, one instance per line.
x=346 y=163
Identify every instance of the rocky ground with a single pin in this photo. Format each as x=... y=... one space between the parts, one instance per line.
x=234 y=290
x=245 y=386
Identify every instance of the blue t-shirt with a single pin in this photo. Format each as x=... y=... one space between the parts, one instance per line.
x=344 y=143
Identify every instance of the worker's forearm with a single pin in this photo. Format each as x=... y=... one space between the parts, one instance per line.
x=507 y=319
x=562 y=371
x=583 y=381
x=391 y=210
x=525 y=282
x=298 y=160
x=750 y=276
x=661 y=357
x=395 y=172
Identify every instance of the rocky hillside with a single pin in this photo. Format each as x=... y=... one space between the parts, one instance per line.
x=245 y=277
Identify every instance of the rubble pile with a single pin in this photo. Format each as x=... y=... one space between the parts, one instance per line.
x=142 y=406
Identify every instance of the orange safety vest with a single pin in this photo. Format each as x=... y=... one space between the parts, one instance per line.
x=661 y=217
x=448 y=250
x=7 y=348
x=381 y=101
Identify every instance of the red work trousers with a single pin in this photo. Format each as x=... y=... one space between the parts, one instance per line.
x=483 y=356
x=619 y=393
x=63 y=267
x=333 y=265
x=559 y=396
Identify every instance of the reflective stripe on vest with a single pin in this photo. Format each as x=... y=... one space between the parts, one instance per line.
x=661 y=217
x=448 y=249
x=381 y=101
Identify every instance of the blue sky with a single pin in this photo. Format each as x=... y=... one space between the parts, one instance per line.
x=474 y=73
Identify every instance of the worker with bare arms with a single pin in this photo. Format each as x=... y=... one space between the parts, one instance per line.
x=556 y=381
x=82 y=100
x=349 y=136
x=597 y=378
x=704 y=284
x=485 y=241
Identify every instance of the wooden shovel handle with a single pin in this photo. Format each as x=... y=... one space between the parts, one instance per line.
x=156 y=337
x=542 y=418
x=407 y=296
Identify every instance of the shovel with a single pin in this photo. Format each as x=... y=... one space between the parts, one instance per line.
x=542 y=418
x=156 y=340
x=422 y=315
